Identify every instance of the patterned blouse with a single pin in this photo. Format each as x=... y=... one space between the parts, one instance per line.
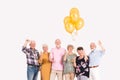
x=82 y=67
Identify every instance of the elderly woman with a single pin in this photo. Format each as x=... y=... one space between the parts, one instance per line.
x=45 y=63
x=68 y=59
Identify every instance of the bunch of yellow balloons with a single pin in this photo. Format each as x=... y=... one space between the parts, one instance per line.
x=73 y=21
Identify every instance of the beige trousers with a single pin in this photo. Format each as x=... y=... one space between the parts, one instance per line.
x=57 y=73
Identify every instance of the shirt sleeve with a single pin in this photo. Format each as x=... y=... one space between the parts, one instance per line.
x=63 y=60
x=25 y=50
x=38 y=54
x=101 y=53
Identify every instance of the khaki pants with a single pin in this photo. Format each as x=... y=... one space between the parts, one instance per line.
x=57 y=73
x=94 y=74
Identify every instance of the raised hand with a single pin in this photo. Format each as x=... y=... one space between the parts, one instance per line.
x=101 y=46
x=27 y=41
x=99 y=43
x=86 y=58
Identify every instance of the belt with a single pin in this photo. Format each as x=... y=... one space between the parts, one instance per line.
x=93 y=66
x=33 y=65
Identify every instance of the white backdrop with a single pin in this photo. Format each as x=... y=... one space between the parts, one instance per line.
x=42 y=21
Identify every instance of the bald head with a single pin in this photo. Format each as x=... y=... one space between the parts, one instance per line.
x=57 y=43
x=92 y=45
x=32 y=44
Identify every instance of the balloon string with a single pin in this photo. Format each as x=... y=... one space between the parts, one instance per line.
x=76 y=33
x=73 y=36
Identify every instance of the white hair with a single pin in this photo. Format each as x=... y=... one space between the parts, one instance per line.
x=44 y=45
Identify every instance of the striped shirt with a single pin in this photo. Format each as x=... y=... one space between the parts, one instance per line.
x=32 y=56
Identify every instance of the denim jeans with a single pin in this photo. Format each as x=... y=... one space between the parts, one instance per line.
x=32 y=72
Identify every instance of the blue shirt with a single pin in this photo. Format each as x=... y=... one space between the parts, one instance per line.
x=95 y=57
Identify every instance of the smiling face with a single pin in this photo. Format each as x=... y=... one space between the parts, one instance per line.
x=45 y=48
x=70 y=48
x=92 y=45
x=81 y=52
x=58 y=43
x=32 y=44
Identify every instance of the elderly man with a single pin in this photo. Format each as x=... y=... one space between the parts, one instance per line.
x=32 y=56
x=95 y=58
x=56 y=56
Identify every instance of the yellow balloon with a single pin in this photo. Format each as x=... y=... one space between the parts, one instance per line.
x=74 y=17
x=79 y=24
x=67 y=19
x=69 y=27
x=74 y=14
x=74 y=10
